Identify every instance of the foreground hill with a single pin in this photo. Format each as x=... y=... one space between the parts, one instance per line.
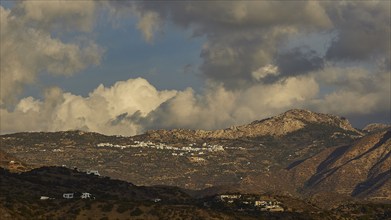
x=321 y=155
x=38 y=194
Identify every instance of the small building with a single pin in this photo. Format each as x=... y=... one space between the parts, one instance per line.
x=230 y=196
x=68 y=195
x=94 y=172
x=260 y=203
x=272 y=208
x=277 y=208
x=44 y=198
x=157 y=200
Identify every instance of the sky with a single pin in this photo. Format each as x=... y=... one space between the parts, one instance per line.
x=125 y=67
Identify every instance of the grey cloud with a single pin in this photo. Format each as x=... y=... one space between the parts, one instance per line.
x=363 y=30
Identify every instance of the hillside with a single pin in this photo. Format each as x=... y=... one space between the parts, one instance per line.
x=361 y=170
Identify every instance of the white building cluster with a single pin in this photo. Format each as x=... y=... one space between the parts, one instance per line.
x=160 y=146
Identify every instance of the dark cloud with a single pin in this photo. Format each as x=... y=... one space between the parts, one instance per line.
x=299 y=61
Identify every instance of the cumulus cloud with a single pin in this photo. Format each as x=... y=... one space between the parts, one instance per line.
x=28 y=47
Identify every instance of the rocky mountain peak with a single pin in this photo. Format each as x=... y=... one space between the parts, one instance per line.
x=296 y=119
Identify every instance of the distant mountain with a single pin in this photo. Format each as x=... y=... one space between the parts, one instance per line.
x=280 y=125
x=374 y=127
x=298 y=153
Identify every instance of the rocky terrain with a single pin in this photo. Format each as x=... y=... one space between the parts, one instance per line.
x=302 y=154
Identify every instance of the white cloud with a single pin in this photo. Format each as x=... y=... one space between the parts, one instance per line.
x=97 y=112
x=265 y=71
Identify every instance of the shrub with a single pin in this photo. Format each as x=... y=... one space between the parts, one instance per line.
x=136 y=212
x=107 y=207
x=122 y=208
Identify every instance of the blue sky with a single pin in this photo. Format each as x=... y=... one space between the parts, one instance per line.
x=127 y=55
x=199 y=65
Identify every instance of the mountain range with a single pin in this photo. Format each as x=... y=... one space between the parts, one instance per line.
x=311 y=156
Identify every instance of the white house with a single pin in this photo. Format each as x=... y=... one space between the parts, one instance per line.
x=230 y=196
x=95 y=172
x=67 y=195
x=86 y=195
